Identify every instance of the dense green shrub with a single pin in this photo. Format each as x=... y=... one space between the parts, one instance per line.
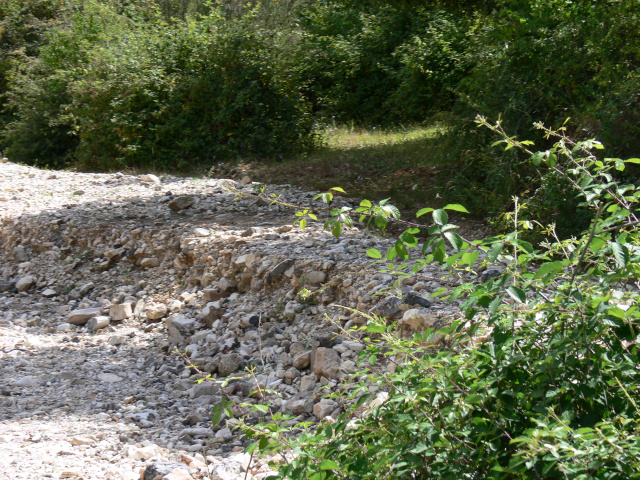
x=23 y=24
x=142 y=94
x=379 y=63
x=539 y=379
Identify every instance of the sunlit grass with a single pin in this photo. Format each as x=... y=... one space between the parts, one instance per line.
x=372 y=163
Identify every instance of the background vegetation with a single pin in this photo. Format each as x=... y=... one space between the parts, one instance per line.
x=188 y=84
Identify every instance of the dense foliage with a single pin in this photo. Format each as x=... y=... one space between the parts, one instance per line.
x=539 y=379
x=167 y=84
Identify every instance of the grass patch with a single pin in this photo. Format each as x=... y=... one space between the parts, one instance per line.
x=375 y=164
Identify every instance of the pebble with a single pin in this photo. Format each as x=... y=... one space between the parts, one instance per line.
x=227 y=293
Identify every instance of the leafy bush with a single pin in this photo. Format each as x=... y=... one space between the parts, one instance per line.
x=143 y=94
x=538 y=380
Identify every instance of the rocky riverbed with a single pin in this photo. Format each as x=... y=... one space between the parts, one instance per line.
x=103 y=276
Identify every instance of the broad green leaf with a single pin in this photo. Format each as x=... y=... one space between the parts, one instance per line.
x=261 y=408
x=328 y=465
x=495 y=304
x=365 y=203
x=401 y=250
x=596 y=244
x=439 y=250
x=456 y=207
x=621 y=254
x=338 y=189
x=537 y=158
x=547 y=268
x=303 y=223
x=473 y=398
x=454 y=239
x=373 y=253
x=469 y=258
x=440 y=216
x=423 y=211
x=381 y=222
x=336 y=229
x=632 y=160
x=552 y=160
x=494 y=251
x=517 y=294
x=391 y=253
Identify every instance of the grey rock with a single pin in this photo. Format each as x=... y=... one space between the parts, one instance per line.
x=117 y=339
x=82 y=316
x=388 y=308
x=120 y=311
x=203 y=389
x=150 y=262
x=308 y=382
x=326 y=363
x=180 y=203
x=96 y=323
x=20 y=254
x=6 y=286
x=418 y=319
x=315 y=277
x=195 y=432
x=489 y=273
x=230 y=363
x=26 y=382
x=160 y=470
x=323 y=408
x=281 y=268
x=156 y=311
x=299 y=405
x=25 y=283
x=49 y=292
x=414 y=298
x=302 y=360
x=86 y=288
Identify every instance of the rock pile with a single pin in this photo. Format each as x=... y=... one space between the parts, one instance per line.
x=103 y=276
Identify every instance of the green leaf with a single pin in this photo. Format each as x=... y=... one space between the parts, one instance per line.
x=596 y=244
x=261 y=408
x=338 y=189
x=621 y=254
x=329 y=465
x=495 y=304
x=552 y=160
x=440 y=216
x=456 y=207
x=469 y=258
x=632 y=160
x=391 y=253
x=373 y=253
x=454 y=239
x=547 y=268
x=303 y=223
x=494 y=251
x=336 y=229
x=423 y=211
x=473 y=398
x=517 y=294
x=372 y=359
x=365 y=203
x=401 y=250
x=537 y=158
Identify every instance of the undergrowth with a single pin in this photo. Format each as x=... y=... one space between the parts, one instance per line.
x=539 y=377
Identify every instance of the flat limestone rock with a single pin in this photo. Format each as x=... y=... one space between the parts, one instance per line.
x=82 y=316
